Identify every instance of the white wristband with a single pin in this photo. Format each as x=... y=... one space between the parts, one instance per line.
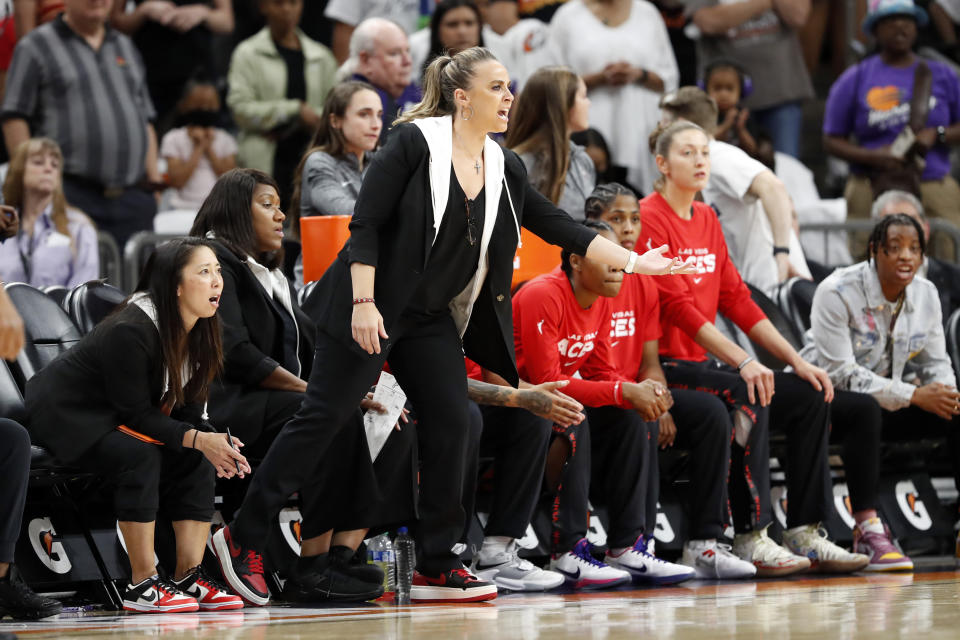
x=632 y=262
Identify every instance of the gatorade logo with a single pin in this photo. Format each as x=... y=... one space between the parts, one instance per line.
x=841 y=501
x=908 y=499
x=779 y=497
x=663 y=531
x=46 y=544
x=290 y=520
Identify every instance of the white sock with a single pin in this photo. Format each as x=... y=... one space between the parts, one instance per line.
x=494 y=545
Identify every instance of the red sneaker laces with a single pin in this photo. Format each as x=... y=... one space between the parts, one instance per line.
x=254 y=561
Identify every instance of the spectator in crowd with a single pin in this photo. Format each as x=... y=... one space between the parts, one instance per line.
x=553 y=105
x=454 y=26
x=197 y=151
x=622 y=51
x=697 y=421
x=380 y=56
x=944 y=275
x=753 y=206
x=54 y=244
x=466 y=99
x=175 y=38
x=760 y=36
x=869 y=106
x=278 y=79
x=945 y=15
x=267 y=354
x=801 y=405
x=596 y=147
x=876 y=329
x=728 y=85
x=110 y=147
x=127 y=403
x=30 y=14
x=562 y=318
x=520 y=43
x=347 y=15
x=16 y=597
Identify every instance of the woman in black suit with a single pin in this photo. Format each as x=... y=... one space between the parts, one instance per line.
x=268 y=345
x=127 y=403
x=425 y=276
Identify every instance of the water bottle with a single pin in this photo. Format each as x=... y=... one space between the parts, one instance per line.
x=380 y=553
x=405 y=561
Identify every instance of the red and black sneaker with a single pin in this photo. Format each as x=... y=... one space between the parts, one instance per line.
x=156 y=595
x=456 y=585
x=242 y=568
x=210 y=594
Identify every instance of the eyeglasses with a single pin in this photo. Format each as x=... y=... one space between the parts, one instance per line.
x=471 y=225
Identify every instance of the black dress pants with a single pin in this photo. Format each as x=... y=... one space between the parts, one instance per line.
x=15 y=466
x=426 y=356
x=797 y=409
x=148 y=478
x=613 y=462
x=856 y=423
x=913 y=423
x=517 y=440
x=705 y=429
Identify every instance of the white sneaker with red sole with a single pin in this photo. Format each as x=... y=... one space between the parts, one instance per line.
x=156 y=595
x=210 y=594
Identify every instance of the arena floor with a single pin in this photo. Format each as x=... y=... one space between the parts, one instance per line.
x=922 y=605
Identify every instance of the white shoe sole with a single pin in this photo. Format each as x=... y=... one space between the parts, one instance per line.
x=905 y=565
x=187 y=607
x=222 y=551
x=703 y=573
x=638 y=576
x=421 y=593
x=493 y=575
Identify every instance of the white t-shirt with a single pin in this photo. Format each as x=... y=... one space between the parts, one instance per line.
x=522 y=49
x=419 y=50
x=746 y=227
x=624 y=115
x=405 y=13
x=177 y=144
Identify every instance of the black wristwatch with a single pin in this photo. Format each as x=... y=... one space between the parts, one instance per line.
x=777 y=250
x=942 y=134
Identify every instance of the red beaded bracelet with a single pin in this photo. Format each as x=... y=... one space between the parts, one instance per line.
x=362 y=300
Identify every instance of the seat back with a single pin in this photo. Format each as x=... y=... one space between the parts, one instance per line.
x=795 y=298
x=11 y=400
x=48 y=329
x=89 y=303
x=953 y=340
x=305 y=292
x=534 y=258
x=321 y=238
x=135 y=254
x=57 y=292
x=291 y=251
x=111 y=262
x=781 y=322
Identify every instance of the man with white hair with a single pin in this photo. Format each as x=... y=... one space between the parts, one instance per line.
x=944 y=275
x=380 y=55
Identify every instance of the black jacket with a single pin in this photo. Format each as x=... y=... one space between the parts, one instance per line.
x=946 y=277
x=113 y=377
x=253 y=341
x=392 y=229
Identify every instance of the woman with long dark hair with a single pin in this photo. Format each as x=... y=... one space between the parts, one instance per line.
x=455 y=25
x=553 y=105
x=424 y=279
x=268 y=352
x=128 y=403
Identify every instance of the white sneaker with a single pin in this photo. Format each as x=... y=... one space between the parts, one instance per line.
x=770 y=559
x=714 y=561
x=508 y=570
x=582 y=571
x=811 y=541
x=646 y=568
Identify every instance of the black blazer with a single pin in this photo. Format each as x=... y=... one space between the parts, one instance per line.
x=946 y=277
x=112 y=377
x=253 y=340
x=392 y=229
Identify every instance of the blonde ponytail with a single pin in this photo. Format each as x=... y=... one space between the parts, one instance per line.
x=445 y=75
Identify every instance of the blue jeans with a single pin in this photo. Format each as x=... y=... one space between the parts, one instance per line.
x=783 y=122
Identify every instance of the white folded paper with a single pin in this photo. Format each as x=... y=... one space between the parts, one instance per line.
x=379 y=425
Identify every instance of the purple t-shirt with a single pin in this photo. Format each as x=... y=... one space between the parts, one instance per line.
x=872 y=101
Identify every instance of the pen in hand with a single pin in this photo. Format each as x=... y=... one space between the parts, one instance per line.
x=234 y=447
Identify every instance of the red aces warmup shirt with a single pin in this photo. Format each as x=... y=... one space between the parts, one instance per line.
x=690 y=301
x=553 y=336
x=634 y=319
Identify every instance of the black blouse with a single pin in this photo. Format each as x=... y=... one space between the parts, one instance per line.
x=453 y=259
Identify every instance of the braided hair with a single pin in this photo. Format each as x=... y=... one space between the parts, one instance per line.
x=878 y=237
x=603 y=196
x=597 y=225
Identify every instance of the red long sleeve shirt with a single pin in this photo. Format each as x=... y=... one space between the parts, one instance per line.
x=688 y=302
x=553 y=336
x=634 y=320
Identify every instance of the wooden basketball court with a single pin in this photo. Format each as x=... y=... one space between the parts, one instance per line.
x=919 y=605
